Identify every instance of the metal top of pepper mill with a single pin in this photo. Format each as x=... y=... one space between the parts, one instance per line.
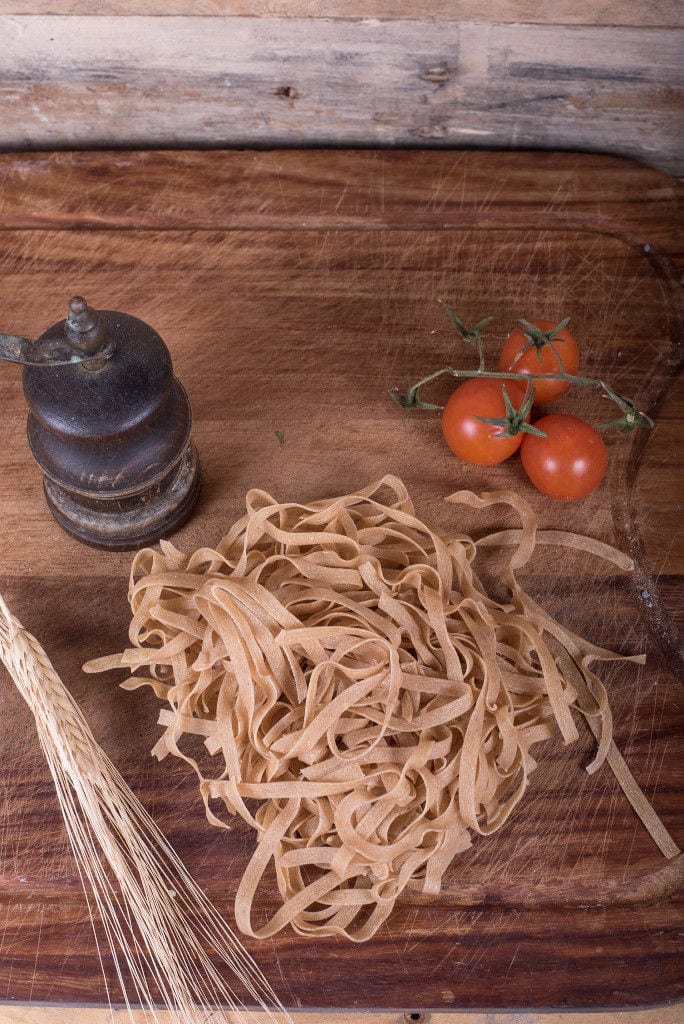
x=83 y=338
x=86 y=331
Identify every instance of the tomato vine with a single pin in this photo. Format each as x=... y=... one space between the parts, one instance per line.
x=411 y=399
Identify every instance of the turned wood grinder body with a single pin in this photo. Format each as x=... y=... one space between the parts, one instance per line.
x=109 y=425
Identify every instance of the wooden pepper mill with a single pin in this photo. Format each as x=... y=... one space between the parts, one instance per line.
x=109 y=425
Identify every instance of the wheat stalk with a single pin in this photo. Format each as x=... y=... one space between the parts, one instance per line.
x=156 y=920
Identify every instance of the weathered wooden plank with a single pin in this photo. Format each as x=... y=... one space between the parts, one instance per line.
x=28 y=1013
x=84 y=82
x=657 y=13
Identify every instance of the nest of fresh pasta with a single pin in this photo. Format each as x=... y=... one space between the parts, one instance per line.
x=354 y=682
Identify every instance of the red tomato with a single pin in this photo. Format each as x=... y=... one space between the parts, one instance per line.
x=569 y=462
x=565 y=345
x=480 y=443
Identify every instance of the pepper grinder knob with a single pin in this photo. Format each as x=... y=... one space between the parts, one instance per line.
x=83 y=326
x=109 y=425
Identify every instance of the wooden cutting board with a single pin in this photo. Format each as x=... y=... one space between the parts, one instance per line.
x=293 y=288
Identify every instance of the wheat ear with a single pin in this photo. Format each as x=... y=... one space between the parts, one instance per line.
x=156 y=920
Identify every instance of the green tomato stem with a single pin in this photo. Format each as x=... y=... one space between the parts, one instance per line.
x=590 y=382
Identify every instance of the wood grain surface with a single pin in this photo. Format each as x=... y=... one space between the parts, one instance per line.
x=601 y=77
x=34 y=1014
x=293 y=289
x=656 y=13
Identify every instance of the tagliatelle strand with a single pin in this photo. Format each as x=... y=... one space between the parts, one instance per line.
x=348 y=671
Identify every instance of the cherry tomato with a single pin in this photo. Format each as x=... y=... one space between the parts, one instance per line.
x=480 y=443
x=529 y=362
x=569 y=462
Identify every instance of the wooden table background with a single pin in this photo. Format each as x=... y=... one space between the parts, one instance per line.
x=293 y=289
x=571 y=74
x=72 y=1015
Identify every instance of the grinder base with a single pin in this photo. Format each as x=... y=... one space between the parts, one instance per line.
x=124 y=524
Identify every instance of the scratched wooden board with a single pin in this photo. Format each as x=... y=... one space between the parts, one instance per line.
x=293 y=289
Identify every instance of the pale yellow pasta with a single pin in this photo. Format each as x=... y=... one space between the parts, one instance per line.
x=349 y=673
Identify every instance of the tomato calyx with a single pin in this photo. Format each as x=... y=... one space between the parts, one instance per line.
x=469 y=334
x=538 y=339
x=515 y=420
x=632 y=418
x=411 y=398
